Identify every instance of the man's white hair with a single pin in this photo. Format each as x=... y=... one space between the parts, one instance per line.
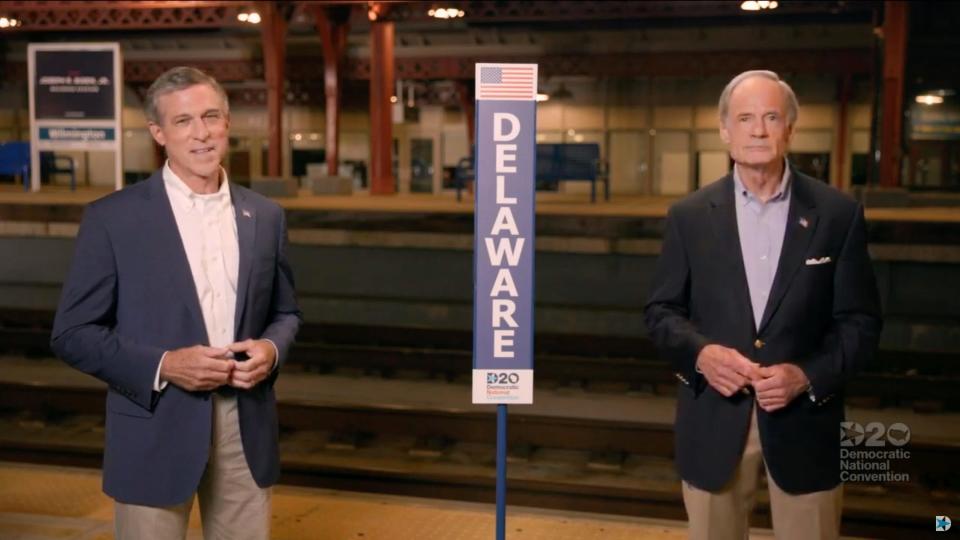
x=792 y=105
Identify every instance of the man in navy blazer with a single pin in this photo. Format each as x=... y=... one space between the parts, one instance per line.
x=765 y=302
x=181 y=299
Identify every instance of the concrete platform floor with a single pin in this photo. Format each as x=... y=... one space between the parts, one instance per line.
x=574 y=204
x=46 y=503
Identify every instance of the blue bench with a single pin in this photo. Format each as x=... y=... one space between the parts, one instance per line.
x=569 y=162
x=555 y=163
x=15 y=161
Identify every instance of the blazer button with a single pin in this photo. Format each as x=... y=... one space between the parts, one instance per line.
x=758 y=344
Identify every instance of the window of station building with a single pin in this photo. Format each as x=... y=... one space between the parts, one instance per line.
x=395 y=164
x=238 y=161
x=421 y=165
x=456 y=155
x=308 y=156
x=933 y=165
x=141 y=155
x=672 y=163
x=710 y=166
x=858 y=168
x=815 y=164
x=932 y=160
x=629 y=161
x=711 y=157
x=308 y=161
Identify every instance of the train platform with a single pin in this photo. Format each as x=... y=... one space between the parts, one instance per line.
x=930 y=208
x=66 y=503
x=566 y=222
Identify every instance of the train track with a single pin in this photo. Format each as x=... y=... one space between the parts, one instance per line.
x=447 y=453
x=924 y=381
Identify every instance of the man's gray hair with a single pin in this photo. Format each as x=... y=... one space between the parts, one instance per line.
x=792 y=105
x=179 y=78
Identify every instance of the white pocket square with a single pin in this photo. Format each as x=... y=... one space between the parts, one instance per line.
x=814 y=261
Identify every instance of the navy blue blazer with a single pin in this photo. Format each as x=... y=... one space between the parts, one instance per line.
x=129 y=297
x=823 y=317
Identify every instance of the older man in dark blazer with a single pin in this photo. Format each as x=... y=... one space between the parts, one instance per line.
x=180 y=298
x=765 y=302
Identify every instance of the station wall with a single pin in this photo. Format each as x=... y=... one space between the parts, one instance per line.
x=658 y=136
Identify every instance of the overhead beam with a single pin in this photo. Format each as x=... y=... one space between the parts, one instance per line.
x=667 y=64
x=100 y=15
x=577 y=12
x=158 y=15
x=664 y=64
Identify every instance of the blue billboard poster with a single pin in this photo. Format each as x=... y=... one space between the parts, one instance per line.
x=506 y=117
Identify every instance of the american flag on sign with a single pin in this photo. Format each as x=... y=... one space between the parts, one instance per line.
x=507 y=82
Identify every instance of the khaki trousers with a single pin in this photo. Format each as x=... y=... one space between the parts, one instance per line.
x=724 y=515
x=232 y=505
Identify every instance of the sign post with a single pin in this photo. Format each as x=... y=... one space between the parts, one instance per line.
x=75 y=101
x=503 y=247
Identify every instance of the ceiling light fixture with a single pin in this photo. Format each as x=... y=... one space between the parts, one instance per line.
x=446 y=13
x=759 y=5
x=373 y=11
x=929 y=99
x=9 y=23
x=543 y=97
x=251 y=17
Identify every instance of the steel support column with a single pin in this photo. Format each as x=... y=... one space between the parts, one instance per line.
x=381 y=88
x=273 y=29
x=844 y=88
x=468 y=104
x=894 y=60
x=333 y=26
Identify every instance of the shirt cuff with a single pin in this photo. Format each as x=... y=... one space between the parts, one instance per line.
x=159 y=385
x=276 y=354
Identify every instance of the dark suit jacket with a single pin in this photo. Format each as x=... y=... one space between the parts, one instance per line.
x=129 y=297
x=825 y=318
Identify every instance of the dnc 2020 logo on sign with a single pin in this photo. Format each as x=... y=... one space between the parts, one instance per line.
x=503 y=378
x=943 y=523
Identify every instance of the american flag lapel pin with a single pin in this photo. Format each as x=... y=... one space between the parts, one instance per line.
x=804 y=223
x=246 y=213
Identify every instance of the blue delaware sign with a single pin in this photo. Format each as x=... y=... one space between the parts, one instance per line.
x=506 y=117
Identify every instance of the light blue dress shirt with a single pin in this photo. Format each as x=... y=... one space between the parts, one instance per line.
x=761 y=227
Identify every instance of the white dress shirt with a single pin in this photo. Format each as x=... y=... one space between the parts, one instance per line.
x=208 y=229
